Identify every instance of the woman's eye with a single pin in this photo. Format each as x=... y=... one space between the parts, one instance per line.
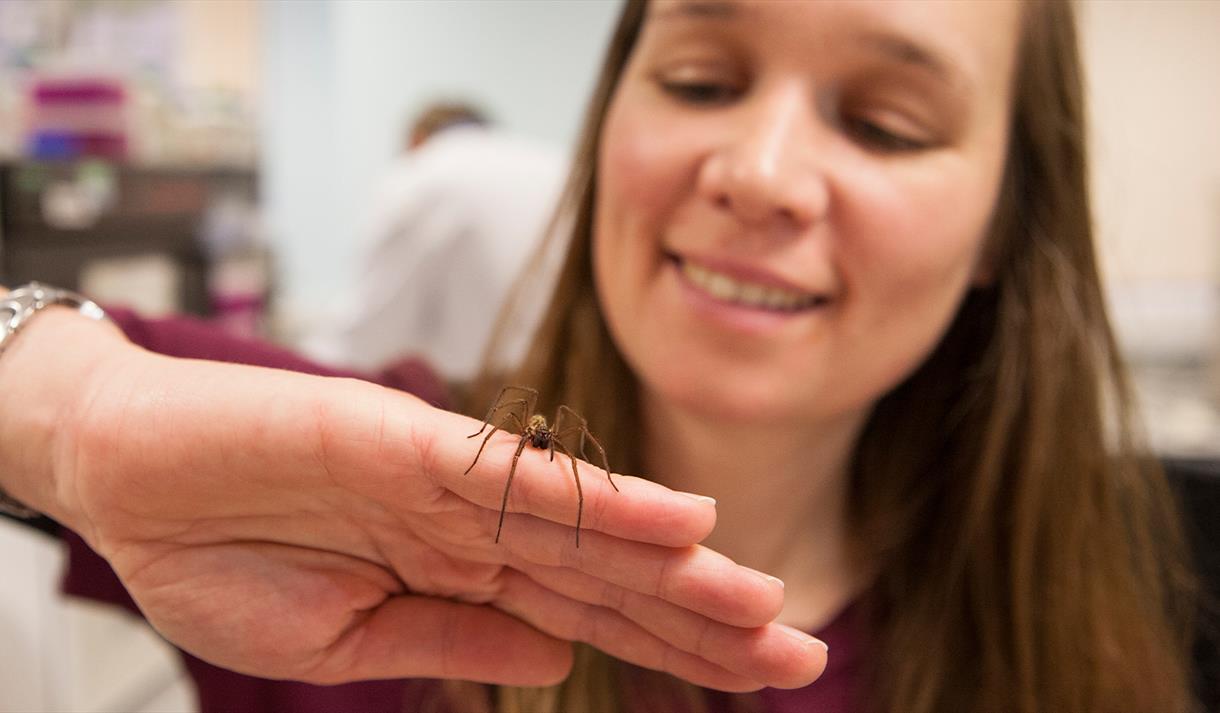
x=700 y=92
x=876 y=137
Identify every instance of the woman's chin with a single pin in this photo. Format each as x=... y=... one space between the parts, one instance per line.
x=723 y=401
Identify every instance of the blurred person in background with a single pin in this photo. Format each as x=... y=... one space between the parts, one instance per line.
x=454 y=221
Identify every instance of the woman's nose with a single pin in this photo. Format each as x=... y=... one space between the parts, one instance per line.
x=764 y=172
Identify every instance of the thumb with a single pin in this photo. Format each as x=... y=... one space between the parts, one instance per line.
x=425 y=637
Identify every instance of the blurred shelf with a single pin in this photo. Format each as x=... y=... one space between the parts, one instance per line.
x=56 y=218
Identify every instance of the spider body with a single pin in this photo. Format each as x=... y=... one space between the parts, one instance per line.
x=539 y=433
x=533 y=430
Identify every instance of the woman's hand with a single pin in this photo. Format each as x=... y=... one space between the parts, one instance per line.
x=291 y=526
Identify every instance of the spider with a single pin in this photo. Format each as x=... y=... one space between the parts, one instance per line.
x=535 y=432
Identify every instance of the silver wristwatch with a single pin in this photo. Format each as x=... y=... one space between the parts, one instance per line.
x=16 y=309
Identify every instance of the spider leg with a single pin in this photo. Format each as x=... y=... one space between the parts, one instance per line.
x=491 y=410
x=488 y=437
x=499 y=406
x=583 y=426
x=509 y=484
x=584 y=432
x=567 y=421
x=580 y=495
x=481 y=446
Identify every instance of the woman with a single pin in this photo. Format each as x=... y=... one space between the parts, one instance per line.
x=919 y=433
x=831 y=265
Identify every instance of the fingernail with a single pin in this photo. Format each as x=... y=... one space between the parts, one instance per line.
x=768 y=578
x=804 y=639
x=700 y=498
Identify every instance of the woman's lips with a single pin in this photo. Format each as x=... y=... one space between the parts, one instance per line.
x=746 y=288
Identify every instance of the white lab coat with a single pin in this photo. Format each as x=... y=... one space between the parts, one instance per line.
x=453 y=226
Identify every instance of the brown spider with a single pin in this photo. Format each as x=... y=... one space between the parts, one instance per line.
x=535 y=432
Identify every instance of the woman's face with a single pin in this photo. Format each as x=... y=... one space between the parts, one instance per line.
x=793 y=196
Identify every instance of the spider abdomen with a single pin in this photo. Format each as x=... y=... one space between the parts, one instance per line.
x=537 y=431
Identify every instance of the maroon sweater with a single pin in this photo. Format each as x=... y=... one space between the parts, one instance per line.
x=223 y=691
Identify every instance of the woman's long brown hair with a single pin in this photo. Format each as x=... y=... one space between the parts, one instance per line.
x=1030 y=558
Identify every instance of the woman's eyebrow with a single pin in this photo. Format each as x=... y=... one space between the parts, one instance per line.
x=893 y=46
x=710 y=9
x=907 y=52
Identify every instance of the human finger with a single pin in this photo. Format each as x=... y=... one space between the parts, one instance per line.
x=611 y=632
x=639 y=509
x=777 y=655
x=693 y=577
x=425 y=637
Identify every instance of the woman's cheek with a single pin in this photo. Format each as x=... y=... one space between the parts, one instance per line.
x=619 y=161
x=653 y=151
x=909 y=263
x=916 y=236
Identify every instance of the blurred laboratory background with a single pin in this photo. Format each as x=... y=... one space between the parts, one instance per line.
x=222 y=158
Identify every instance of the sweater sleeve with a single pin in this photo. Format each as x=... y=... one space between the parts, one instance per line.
x=196 y=339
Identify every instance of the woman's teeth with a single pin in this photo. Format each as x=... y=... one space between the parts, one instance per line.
x=748 y=294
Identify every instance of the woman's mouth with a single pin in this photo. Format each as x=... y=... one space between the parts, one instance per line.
x=737 y=291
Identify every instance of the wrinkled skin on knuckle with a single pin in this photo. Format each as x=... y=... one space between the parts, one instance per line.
x=449 y=524
x=363 y=442
x=342 y=437
x=422 y=444
x=437 y=573
x=614 y=597
x=596 y=500
x=442 y=548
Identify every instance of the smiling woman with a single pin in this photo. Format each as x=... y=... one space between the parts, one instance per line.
x=821 y=168
x=834 y=262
